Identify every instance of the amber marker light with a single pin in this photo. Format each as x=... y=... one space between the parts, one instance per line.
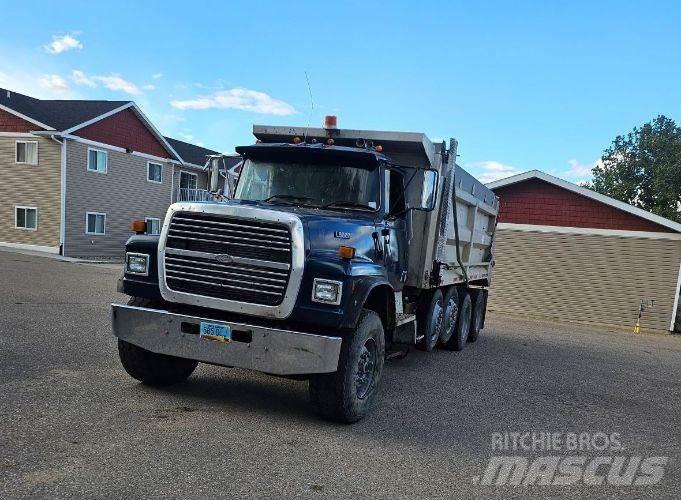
x=138 y=226
x=379 y=149
x=296 y=140
x=346 y=252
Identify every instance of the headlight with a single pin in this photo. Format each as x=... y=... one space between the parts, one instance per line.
x=327 y=291
x=137 y=263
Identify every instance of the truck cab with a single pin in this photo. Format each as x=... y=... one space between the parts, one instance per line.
x=314 y=269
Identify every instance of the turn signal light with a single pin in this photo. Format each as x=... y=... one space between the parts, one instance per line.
x=379 y=149
x=346 y=252
x=138 y=226
x=296 y=140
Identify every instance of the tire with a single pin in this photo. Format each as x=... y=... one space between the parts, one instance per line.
x=142 y=302
x=451 y=312
x=430 y=321
x=463 y=325
x=151 y=368
x=348 y=394
x=479 y=299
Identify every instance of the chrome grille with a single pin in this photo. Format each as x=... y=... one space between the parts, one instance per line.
x=228 y=258
x=236 y=237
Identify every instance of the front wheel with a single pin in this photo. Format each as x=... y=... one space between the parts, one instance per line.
x=151 y=368
x=348 y=394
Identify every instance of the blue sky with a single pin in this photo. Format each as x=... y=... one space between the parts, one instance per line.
x=521 y=85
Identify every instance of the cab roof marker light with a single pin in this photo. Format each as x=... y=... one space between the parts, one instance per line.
x=331 y=122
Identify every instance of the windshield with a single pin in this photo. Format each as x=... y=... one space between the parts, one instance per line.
x=309 y=184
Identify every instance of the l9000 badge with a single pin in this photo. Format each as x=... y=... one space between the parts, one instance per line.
x=342 y=235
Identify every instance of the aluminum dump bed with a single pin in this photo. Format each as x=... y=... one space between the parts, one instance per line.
x=434 y=259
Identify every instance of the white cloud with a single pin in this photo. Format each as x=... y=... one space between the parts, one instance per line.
x=82 y=79
x=54 y=83
x=238 y=98
x=116 y=82
x=489 y=171
x=63 y=43
x=112 y=81
x=149 y=86
x=579 y=169
x=156 y=76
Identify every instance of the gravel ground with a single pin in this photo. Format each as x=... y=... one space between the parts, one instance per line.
x=75 y=425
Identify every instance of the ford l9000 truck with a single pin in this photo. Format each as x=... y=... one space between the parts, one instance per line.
x=338 y=248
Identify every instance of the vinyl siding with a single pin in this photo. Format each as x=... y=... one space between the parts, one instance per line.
x=585 y=278
x=30 y=185
x=123 y=194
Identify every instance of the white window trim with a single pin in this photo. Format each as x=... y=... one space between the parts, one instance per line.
x=106 y=167
x=160 y=165
x=193 y=174
x=87 y=214
x=16 y=219
x=37 y=152
x=147 y=219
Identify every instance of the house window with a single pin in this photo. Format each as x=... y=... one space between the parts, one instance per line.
x=26 y=218
x=154 y=172
x=95 y=223
x=27 y=152
x=96 y=160
x=187 y=180
x=153 y=225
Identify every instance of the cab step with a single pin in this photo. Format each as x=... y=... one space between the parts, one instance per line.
x=403 y=319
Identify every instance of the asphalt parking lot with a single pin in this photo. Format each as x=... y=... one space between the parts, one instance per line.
x=75 y=425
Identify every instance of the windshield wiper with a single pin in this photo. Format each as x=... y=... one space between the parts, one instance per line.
x=289 y=197
x=348 y=204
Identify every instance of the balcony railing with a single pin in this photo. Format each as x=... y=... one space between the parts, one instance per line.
x=186 y=194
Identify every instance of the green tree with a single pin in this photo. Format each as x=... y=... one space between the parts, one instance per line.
x=643 y=168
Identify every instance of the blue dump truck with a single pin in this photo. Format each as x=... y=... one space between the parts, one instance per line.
x=336 y=250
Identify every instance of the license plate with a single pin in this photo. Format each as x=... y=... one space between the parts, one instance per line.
x=215 y=331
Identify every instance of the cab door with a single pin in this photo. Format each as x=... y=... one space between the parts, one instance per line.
x=393 y=230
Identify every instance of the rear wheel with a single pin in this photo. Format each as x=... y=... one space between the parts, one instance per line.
x=451 y=312
x=348 y=394
x=478 y=297
x=463 y=324
x=430 y=321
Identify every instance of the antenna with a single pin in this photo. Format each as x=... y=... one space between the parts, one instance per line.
x=309 y=117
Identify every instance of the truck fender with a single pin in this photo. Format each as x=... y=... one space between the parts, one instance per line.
x=375 y=293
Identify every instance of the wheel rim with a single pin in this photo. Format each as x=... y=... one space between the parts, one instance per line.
x=436 y=321
x=366 y=368
x=450 y=320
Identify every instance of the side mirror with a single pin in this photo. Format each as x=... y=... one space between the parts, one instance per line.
x=422 y=193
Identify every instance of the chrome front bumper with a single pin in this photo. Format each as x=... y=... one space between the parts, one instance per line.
x=268 y=350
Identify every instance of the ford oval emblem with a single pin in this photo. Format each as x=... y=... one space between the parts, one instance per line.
x=224 y=258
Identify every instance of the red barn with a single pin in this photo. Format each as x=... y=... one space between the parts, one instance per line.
x=565 y=252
